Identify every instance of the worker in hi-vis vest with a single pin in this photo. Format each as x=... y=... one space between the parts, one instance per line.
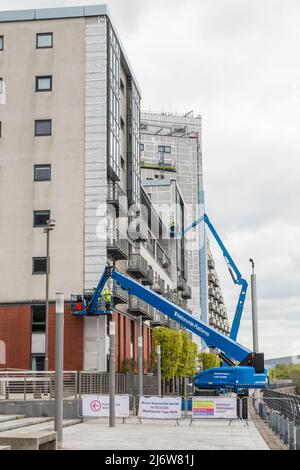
x=107 y=295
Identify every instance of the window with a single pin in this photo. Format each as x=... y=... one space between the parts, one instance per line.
x=142 y=146
x=40 y=218
x=143 y=126
x=42 y=172
x=37 y=362
x=122 y=86
x=1 y=86
x=1 y=43
x=39 y=265
x=38 y=318
x=44 y=40
x=43 y=83
x=164 y=149
x=43 y=127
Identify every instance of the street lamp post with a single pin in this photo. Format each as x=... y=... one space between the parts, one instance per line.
x=47 y=229
x=254 y=308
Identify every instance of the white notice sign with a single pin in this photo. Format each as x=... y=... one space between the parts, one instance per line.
x=98 y=406
x=214 y=407
x=160 y=408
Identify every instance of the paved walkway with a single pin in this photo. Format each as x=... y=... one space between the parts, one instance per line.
x=164 y=435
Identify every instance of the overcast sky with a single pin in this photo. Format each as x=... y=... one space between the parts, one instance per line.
x=235 y=62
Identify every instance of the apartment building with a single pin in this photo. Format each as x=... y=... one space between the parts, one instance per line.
x=70 y=151
x=172 y=175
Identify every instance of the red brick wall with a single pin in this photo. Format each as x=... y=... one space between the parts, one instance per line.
x=73 y=340
x=15 y=325
x=15 y=331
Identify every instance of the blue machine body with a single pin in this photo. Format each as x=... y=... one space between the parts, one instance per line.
x=229 y=378
x=237 y=376
x=233 y=270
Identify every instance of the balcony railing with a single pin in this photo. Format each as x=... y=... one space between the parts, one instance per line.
x=120 y=296
x=211 y=263
x=149 y=279
x=181 y=284
x=137 y=266
x=114 y=192
x=187 y=292
x=159 y=286
x=138 y=307
x=117 y=247
x=158 y=319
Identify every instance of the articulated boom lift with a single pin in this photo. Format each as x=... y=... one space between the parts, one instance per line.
x=233 y=270
x=249 y=373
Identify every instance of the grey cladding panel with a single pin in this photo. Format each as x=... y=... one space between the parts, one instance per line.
x=20 y=15
x=48 y=13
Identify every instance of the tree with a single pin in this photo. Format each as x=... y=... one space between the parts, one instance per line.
x=170 y=342
x=189 y=357
x=209 y=360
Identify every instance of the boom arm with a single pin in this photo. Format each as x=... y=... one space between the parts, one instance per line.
x=233 y=270
x=212 y=337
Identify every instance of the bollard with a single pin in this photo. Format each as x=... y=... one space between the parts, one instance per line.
x=291 y=436
x=275 y=428
x=297 y=438
x=271 y=419
x=264 y=412
x=260 y=409
x=274 y=420
x=281 y=427
x=286 y=431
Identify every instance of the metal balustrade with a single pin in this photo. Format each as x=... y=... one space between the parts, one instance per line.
x=35 y=385
x=286 y=404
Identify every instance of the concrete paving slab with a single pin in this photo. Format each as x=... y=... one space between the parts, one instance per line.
x=5 y=418
x=21 y=423
x=48 y=426
x=164 y=435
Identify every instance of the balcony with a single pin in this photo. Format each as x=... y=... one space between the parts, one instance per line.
x=212 y=321
x=173 y=325
x=210 y=263
x=138 y=308
x=114 y=193
x=117 y=248
x=158 y=319
x=217 y=282
x=159 y=286
x=212 y=278
x=211 y=306
x=181 y=284
x=149 y=279
x=137 y=267
x=211 y=292
x=120 y=296
x=187 y=293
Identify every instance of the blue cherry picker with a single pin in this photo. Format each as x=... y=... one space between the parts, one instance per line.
x=233 y=270
x=244 y=370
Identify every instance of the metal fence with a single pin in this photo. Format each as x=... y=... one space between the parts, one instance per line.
x=93 y=383
x=33 y=385
x=284 y=403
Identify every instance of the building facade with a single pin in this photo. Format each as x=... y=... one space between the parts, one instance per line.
x=70 y=151
x=172 y=174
